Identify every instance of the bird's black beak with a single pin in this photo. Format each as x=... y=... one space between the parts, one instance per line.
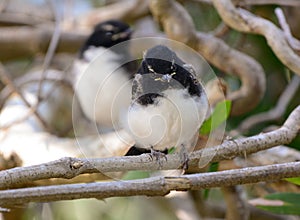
x=123 y=35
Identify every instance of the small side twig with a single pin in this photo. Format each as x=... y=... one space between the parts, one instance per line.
x=221 y=30
x=276 y=112
x=6 y=80
x=237 y=208
x=294 y=43
x=52 y=47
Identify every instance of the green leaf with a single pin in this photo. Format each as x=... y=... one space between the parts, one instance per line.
x=285 y=209
x=171 y=150
x=213 y=167
x=285 y=197
x=220 y=114
x=295 y=180
x=132 y=175
x=289 y=203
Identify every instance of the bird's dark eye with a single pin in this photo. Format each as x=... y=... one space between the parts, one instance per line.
x=109 y=33
x=173 y=67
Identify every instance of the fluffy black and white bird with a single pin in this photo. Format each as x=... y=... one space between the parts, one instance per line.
x=102 y=74
x=168 y=104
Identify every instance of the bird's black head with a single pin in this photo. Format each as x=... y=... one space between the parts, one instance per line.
x=162 y=69
x=165 y=67
x=107 y=34
x=161 y=60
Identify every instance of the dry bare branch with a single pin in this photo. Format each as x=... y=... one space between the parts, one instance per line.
x=271 y=2
x=128 y=11
x=71 y=167
x=236 y=206
x=276 y=112
x=155 y=186
x=34 y=77
x=7 y=81
x=20 y=42
x=294 y=43
x=261 y=2
x=178 y=26
x=52 y=46
x=14 y=19
x=247 y=22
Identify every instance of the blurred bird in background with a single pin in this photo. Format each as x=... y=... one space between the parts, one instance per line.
x=103 y=73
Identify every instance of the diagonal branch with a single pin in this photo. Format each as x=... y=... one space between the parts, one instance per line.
x=179 y=26
x=245 y=21
x=294 y=43
x=276 y=112
x=4 y=76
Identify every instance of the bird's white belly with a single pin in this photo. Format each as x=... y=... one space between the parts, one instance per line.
x=172 y=122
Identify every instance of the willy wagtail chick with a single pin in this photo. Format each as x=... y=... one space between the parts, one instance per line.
x=168 y=103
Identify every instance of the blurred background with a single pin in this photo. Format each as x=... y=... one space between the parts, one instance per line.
x=39 y=40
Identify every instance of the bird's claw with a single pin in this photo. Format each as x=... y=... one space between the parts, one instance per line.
x=157 y=155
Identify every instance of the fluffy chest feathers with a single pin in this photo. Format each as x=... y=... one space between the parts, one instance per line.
x=173 y=120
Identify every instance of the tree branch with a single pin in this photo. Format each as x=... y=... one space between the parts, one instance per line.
x=71 y=167
x=155 y=186
x=245 y=21
x=122 y=10
x=4 y=76
x=294 y=43
x=236 y=206
x=20 y=42
x=276 y=112
x=260 y=2
x=179 y=26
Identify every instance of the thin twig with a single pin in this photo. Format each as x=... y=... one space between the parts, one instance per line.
x=52 y=47
x=7 y=81
x=236 y=206
x=56 y=77
x=294 y=43
x=276 y=112
x=221 y=30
